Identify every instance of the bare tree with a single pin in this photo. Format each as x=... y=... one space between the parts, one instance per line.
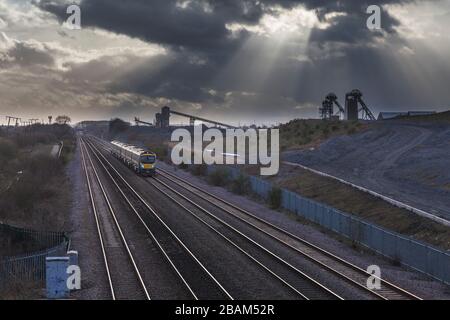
x=63 y=119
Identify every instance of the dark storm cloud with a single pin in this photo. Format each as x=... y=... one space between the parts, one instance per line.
x=201 y=24
x=163 y=21
x=178 y=76
x=200 y=46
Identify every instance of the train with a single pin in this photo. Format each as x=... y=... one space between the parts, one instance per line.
x=142 y=161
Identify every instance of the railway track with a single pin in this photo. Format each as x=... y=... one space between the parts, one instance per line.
x=299 y=284
x=341 y=268
x=124 y=277
x=291 y=277
x=345 y=270
x=194 y=275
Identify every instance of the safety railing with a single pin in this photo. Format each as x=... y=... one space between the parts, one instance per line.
x=30 y=266
x=417 y=255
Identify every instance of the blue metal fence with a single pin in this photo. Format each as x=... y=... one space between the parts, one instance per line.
x=43 y=239
x=31 y=266
x=407 y=251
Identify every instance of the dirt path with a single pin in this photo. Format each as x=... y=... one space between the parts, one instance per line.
x=376 y=178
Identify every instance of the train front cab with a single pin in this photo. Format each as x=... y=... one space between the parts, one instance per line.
x=147 y=164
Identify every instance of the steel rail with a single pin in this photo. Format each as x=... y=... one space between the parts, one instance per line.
x=119 y=229
x=303 y=242
x=97 y=223
x=97 y=153
x=267 y=251
x=153 y=237
x=283 y=262
x=303 y=296
x=272 y=273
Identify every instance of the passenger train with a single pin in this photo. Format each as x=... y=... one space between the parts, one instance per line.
x=142 y=161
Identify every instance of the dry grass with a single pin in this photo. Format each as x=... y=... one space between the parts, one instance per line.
x=40 y=199
x=219 y=177
x=12 y=244
x=363 y=205
x=299 y=133
x=355 y=202
x=40 y=196
x=438 y=117
x=21 y=290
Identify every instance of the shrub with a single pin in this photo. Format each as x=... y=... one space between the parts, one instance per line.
x=43 y=167
x=117 y=126
x=241 y=185
x=199 y=170
x=161 y=152
x=37 y=182
x=8 y=150
x=38 y=193
x=275 y=198
x=219 y=177
x=24 y=194
x=25 y=139
x=304 y=140
x=68 y=151
x=183 y=166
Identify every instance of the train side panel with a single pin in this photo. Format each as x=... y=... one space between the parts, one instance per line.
x=132 y=159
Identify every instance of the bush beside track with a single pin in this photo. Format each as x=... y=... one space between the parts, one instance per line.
x=35 y=192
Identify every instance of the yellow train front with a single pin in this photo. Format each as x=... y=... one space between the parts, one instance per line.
x=147 y=165
x=142 y=161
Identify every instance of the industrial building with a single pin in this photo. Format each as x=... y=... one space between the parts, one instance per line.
x=162 y=119
x=393 y=115
x=355 y=107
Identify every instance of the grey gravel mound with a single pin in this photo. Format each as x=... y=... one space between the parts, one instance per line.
x=406 y=161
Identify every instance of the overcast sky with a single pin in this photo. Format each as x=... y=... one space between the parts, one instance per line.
x=232 y=60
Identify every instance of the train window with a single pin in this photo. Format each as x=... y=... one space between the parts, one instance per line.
x=148 y=159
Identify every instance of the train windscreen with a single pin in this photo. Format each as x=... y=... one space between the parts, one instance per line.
x=148 y=159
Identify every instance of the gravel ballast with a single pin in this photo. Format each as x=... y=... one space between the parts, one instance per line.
x=413 y=281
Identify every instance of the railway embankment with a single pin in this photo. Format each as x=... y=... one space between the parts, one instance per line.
x=35 y=197
x=403 y=160
x=240 y=194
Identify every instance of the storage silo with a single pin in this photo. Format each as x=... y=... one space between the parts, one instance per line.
x=351 y=106
x=165 y=117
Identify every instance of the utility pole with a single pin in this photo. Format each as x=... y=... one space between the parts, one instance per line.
x=9 y=118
